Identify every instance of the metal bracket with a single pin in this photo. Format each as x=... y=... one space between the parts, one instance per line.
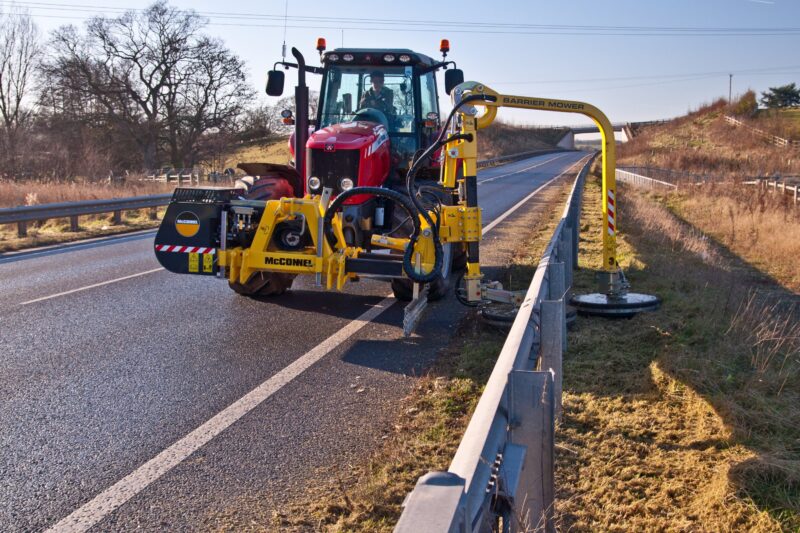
x=413 y=311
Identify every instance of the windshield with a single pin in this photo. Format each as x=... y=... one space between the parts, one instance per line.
x=388 y=90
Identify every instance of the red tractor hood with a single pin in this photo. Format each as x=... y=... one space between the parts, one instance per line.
x=349 y=136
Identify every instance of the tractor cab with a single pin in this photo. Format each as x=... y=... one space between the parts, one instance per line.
x=395 y=88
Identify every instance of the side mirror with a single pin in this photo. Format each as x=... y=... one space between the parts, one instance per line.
x=347 y=101
x=452 y=78
x=275 y=82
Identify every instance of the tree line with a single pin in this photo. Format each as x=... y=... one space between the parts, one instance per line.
x=142 y=90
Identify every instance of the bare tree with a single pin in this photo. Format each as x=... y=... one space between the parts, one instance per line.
x=19 y=54
x=152 y=74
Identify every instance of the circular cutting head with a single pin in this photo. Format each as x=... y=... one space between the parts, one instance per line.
x=626 y=306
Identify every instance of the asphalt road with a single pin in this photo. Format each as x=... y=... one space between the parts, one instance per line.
x=182 y=404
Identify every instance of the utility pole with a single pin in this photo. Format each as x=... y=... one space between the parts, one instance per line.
x=730 y=87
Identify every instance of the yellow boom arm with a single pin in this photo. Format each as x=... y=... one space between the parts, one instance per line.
x=466 y=150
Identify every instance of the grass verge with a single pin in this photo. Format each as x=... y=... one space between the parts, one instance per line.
x=688 y=418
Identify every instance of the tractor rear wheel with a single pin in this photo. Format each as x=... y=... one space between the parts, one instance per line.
x=263 y=284
x=264 y=188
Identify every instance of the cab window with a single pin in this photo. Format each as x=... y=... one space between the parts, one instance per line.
x=348 y=88
x=428 y=100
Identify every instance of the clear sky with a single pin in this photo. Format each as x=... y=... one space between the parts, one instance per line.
x=634 y=59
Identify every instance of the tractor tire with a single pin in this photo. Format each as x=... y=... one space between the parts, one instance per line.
x=264 y=283
x=265 y=187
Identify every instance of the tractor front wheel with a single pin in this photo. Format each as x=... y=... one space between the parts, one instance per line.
x=264 y=188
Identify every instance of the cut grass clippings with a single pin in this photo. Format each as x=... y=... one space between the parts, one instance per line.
x=686 y=419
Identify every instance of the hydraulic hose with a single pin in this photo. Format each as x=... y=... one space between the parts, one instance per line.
x=403 y=201
x=440 y=141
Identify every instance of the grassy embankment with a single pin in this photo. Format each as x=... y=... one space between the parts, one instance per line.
x=57 y=230
x=505 y=139
x=687 y=418
x=703 y=143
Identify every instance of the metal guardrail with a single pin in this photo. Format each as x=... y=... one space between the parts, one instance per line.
x=503 y=469
x=645 y=182
x=72 y=210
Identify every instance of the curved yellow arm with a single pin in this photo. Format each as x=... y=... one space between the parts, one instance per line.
x=497 y=100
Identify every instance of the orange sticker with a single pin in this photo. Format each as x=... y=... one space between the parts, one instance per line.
x=187 y=224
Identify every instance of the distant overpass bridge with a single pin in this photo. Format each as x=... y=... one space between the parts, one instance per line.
x=628 y=128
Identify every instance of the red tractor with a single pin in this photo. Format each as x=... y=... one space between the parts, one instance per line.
x=378 y=111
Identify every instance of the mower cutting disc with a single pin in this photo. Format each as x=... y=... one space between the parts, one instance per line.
x=624 y=306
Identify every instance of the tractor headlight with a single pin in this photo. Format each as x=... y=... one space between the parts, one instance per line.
x=314 y=184
x=348 y=57
x=405 y=58
x=388 y=58
x=346 y=184
x=333 y=57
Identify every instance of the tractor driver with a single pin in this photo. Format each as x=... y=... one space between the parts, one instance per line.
x=379 y=97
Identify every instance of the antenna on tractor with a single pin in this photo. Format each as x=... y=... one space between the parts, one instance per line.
x=285 y=19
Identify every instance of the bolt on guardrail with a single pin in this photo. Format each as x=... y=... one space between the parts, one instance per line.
x=503 y=469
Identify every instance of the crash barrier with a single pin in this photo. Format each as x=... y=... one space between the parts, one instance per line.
x=644 y=182
x=774 y=139
x=502 y=473
x=24 y=214
x=21 y=216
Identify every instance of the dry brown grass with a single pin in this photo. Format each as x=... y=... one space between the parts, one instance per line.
x=761 y=227
x=702 y=143
x=19 y=193
x=687 y=419
x=505 y=139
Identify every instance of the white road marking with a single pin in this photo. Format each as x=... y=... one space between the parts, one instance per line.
x=123 y=278
x=123 y=490
x=522 y=170
x=522 y=202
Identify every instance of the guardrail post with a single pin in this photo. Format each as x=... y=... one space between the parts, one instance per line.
x=531 y=408
x=557 y=282
x=22 y=229
x=437 y=503
x=795 y=194
x=565 y=251
x=117 y=218
x=73 y=223
x=153 y=214
x=552 y=345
